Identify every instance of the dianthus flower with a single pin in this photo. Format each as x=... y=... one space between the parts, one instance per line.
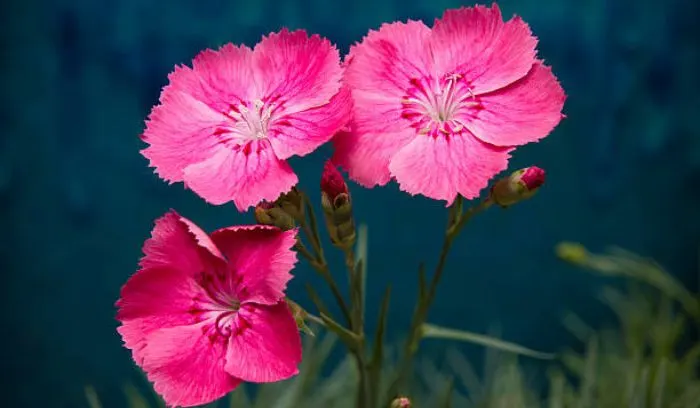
x=440 y=109
x=205 y=313
x=226 y=126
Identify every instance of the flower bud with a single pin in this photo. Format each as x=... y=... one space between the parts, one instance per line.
x=400 y=402
x=292 y=203
x=520 y=185
x=299 y=316
x=337 y=207
x=271 y=214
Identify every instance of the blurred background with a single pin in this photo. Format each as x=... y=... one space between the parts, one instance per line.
x=79 y=77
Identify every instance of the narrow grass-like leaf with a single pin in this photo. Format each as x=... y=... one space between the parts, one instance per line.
x=361 y=257
x=432 y=331
x=239 y=398
x=375 y=364
x=346 y=336
x=91 y=396
x=316 y=299
x=445 y=400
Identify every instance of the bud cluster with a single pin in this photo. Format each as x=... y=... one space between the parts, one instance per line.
x=283 y=213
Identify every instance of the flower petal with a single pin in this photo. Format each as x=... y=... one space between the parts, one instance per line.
x=180 y=132
x=153 y=299
x=218 y=78
x=442 y=167
x=245 y=174
x=178 y=244
x=379 y=72
x=303 y=132
x=162 y=294
x=523 y=112
x=386 y=60
x=366 y=155
x=260 y=260
x=265 y=346
x=296 y=71
x=186 y=366
x=476 y=43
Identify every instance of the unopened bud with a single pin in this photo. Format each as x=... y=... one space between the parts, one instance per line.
x=337 y=207
x=519 y=186
x=299 y=316
x=292 y=203
x=400 y=402
x=270 y=214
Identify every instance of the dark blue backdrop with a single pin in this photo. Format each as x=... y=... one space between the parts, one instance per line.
x=78 y=78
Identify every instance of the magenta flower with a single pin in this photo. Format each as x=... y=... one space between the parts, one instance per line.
x=440 y=109
x=226 y=126
x=207 y=312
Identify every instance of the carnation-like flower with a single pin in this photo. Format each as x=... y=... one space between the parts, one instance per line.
x=226 y=126
x=440 y=109
x=205 y=313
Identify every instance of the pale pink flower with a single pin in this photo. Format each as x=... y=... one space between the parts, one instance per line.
x=226 y=126
x=441 y=109
x=205 y=313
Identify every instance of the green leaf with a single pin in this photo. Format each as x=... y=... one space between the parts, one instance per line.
x=446 y=398
x=134 y=397
x=316 y=299
x=239 y=398
x=313 y=224
x=361 y=257
x=432 y=331
x=91 y=396
x=381 y=328
x=378 y=352
x=357 y=296
x=351 y=340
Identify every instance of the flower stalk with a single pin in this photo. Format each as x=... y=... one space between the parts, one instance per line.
x=457 y=219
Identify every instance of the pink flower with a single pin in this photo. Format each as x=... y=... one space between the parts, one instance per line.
x=440 y=109
x=207 y=312
x=226 y=126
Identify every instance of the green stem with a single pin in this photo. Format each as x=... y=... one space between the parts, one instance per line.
x=456 y=222
x=357 y=325
x=317 y=258
x=301 y=248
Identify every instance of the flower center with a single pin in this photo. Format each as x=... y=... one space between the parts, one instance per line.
x=251 y=122
x=439 y=106
x=219 y=304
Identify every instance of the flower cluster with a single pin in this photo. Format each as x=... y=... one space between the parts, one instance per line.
x=438 y=109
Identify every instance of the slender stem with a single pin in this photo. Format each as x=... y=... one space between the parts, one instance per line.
x=355 y=291
x=362 y=394
x=311 y=228
x=456 y=223
x=301 y=248
x=357 y=325
x=317 y=259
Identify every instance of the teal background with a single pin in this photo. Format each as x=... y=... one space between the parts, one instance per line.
x=77 y=199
